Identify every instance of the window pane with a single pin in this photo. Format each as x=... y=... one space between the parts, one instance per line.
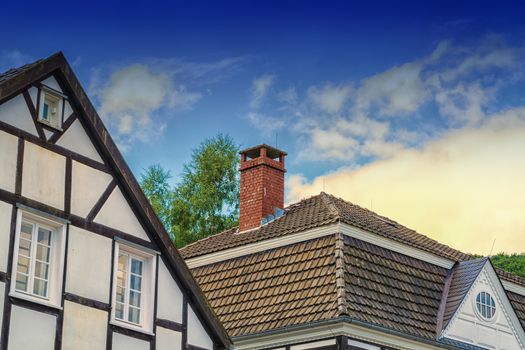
x=45 y=111
x=24 y=247
x=123 y=262
x=136 y=266
x=44 y=236
x=40 y=287
x=119 y=311
x=134 y=298
x=21 y=282
x=41 y=270
x=134 y=315
x=42 y=253
x=121 y=279
x=136 y=283
x=26 y=230
x=23 y=265
x=120 y=294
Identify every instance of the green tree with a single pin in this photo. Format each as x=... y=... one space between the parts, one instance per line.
x=155 y=184
x=513 y=263
x=206 y=199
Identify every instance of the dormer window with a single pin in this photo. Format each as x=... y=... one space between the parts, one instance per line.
x=51 y=107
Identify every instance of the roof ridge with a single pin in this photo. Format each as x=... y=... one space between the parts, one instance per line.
x=328 y=199
x=342 y=308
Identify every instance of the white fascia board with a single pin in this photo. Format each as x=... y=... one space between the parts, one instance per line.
x=317 y=233
x=513 y=287
x=313 y=333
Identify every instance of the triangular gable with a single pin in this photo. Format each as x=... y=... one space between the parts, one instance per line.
x=19 y=80
x=495 y=327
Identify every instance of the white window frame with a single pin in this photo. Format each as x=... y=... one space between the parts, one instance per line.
x=44 y=90
x=56 y=261
x=149 y=270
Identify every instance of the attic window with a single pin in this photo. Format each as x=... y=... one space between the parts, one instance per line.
x=485 y=306
x=51 y=107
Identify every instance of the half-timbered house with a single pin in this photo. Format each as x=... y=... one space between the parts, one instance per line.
x=84 y=261
x=324 y=273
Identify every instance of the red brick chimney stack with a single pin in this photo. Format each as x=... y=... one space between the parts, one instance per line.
x=262 y=184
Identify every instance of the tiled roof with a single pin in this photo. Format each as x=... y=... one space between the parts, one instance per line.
x=318 y=211
x=392 y=289
x=463 y=276
x=296 y=284
x=11 y=73
x=335 y=275
x=273 y=289
x=518 y=303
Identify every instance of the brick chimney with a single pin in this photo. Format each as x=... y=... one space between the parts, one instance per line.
x=262 y=184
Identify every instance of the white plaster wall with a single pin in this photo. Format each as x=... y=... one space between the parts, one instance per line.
x=16 y=113
x=2 y=293
x=122 y=342
x=89 y=264
x=169 y=301
x=8 y=154
x=196 y=333
x=87 y=185
x=168 y=339
x=43 y=177
x=5 y=228
x=67 y=110
x=468 y=327
x=76 y=140
x=52 y=83
x=116 y=213
x=33 y=92
x=85 y=328
x=31 y=330
x=48 y=134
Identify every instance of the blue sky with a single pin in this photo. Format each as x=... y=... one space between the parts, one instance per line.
x=350 y=88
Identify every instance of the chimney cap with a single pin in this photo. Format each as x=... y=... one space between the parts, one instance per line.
x=271 y=152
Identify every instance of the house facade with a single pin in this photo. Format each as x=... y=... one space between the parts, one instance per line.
x=324 y=273
x=84 y=261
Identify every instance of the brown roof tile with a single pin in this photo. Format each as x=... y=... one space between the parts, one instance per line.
x=273 y=289
x=317 y=211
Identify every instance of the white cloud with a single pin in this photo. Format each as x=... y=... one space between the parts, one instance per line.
x=260 y=87
x=399 y=90
x=385 y=112
x=462 y=189
x=330 y=98
x=138 y=99
x=267 y=124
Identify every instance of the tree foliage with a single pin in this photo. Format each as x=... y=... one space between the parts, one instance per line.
x=206 y=199
x=514 y=263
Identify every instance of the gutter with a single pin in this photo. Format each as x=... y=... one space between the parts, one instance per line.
x=341 y=321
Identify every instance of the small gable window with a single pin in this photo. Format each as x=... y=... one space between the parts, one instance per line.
x=51 y=107
x=485 y=306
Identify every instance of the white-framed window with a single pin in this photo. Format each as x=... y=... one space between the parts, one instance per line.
x=38 y=264
x=51 y=106
x=485 y=306
x=133 y=287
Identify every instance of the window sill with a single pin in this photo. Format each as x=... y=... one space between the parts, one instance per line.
x=131 y=327
x=34 y=299
x=57 y=128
